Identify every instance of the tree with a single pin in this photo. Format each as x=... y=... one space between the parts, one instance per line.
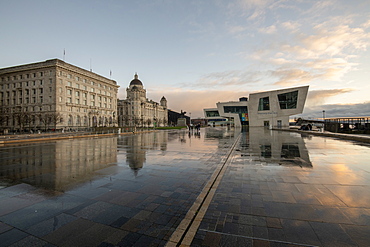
x=149 y=122
x=22 y=117
x=55 y=118
x=45 y=119
x=3 y=116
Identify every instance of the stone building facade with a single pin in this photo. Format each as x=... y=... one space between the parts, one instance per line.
x=55 y=95
x=136 y=110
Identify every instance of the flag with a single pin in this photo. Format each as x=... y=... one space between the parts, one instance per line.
x=110 y=73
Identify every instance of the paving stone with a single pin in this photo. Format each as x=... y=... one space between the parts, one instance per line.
x=281 y=204
x=332 y=234
x=12 y=236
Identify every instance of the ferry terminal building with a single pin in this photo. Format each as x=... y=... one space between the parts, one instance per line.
x=270 y=108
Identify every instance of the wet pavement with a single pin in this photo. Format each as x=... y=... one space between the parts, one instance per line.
x=171 y=188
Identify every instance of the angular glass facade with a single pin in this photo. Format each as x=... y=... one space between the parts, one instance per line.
x=235 y=109
x=212 y=113
x=264 y=104
x=288 y=100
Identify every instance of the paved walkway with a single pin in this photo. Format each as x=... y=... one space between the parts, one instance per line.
x=262 y=188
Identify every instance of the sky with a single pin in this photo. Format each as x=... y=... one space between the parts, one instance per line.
x=200 y=52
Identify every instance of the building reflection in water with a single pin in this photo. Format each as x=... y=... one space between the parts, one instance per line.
x=137 y=145
x=273 y=147
x=57 y=165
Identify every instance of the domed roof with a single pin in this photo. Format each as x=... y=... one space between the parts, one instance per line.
x=136 y=81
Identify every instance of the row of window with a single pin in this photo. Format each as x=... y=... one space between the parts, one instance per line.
x=27 y=100
x=26 y=76
x=84 y=102
x=83 y=87
x=27 y=92
x=24 y=84
x=69 y=76
x=28 y=109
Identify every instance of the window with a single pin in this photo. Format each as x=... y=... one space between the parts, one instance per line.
x=212 y=113
x=41 y=90
x=41 y=73
x=288 y=100
x=264 y=104
x=50 y=81
x=69 y=84
x=69 y=91
x=290 y=151
x=235 y=109
x=69 y=100
x=77 y=85
x=77 y=94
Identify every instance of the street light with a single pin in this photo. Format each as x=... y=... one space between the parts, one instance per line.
x=323 y=118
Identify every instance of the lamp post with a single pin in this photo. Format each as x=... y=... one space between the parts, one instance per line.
x=323 y=118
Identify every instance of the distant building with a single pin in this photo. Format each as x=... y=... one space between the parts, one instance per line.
x=54 y=95
x=201 y=121
x=271 y=108
x=137 y=110
x=173 y=118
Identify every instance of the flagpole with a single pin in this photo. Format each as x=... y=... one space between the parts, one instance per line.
x=64 y=55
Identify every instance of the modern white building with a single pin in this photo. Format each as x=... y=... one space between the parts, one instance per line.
x=270 y=108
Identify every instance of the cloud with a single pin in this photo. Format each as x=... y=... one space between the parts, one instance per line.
x=195 y=101
x=291 y=26
x=236 y=29
x=297 y=72
x=338 y=110
x=324 y=55
x=319 y=97
x=268 y=30
x=230 y=78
